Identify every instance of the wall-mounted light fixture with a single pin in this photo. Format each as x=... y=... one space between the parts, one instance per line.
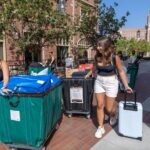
x=138 y=34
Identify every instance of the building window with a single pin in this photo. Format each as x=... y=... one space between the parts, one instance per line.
x=63 y=42
x=83 y=43
x=62 y=50
x=61 y=5
x=84 y=12
x=138 y=34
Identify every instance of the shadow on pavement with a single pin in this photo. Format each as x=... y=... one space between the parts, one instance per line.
x=148 y=125
x=142 y=81
x=142 y=86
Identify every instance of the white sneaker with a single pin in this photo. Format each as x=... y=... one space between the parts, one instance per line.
x=99 y=132
x=113 y=120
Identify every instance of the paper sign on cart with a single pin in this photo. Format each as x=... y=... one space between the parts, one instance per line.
x=15 y=115
x=76 y=95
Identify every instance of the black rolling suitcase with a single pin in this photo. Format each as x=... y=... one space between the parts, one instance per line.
x=77 y=95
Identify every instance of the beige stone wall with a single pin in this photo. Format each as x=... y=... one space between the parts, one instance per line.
x=129 y=33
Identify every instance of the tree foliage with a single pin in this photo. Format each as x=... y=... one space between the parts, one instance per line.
x=32 y=24
x=101 y=23
x=127 y=46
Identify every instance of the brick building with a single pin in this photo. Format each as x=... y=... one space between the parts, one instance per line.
x=137 y=33
x=74 y=8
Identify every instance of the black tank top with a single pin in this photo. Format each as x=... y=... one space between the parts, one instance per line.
x=106 y=70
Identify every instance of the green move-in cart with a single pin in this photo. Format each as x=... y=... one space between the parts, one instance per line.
x=27 y=120
x=40 y=70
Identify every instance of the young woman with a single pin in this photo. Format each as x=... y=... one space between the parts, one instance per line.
x=4 y=75
x=106 y=82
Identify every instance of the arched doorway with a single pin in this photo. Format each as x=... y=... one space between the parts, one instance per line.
x=83 y=50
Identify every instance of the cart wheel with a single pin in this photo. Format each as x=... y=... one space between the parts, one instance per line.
x=69 y=115
x=140 y=138
x=88 y=116
x=120 y=134
x=57 y=126
x=43 y=148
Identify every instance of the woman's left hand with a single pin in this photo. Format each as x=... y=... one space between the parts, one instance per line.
x=128 y=90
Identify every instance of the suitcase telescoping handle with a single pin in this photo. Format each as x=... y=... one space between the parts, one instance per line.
x=130 y=106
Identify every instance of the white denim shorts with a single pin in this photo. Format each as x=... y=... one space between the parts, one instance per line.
x=107 y=85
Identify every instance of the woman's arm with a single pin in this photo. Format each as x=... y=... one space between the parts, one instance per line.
x=93 y=68
x=90 y=72
x=45 y=63
x=52 y=60
x=5 y=71
x=122 y=74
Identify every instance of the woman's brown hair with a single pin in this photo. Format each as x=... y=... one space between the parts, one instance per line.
x=107 y=48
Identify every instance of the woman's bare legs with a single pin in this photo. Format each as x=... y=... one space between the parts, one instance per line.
x=100 y=108
x=111 y=108
x=100 y=114
x=110 y=105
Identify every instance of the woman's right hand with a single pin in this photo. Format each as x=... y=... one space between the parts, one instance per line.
x=87 y=76
x=6 y=90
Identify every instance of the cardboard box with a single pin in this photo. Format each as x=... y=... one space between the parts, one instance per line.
x=69 y=72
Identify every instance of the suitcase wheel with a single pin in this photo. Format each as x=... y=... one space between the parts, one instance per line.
x=140 y=138
x=88 y=116
x=57 y=126
x=69 y=115
x=120 y=134
x=43 y=148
